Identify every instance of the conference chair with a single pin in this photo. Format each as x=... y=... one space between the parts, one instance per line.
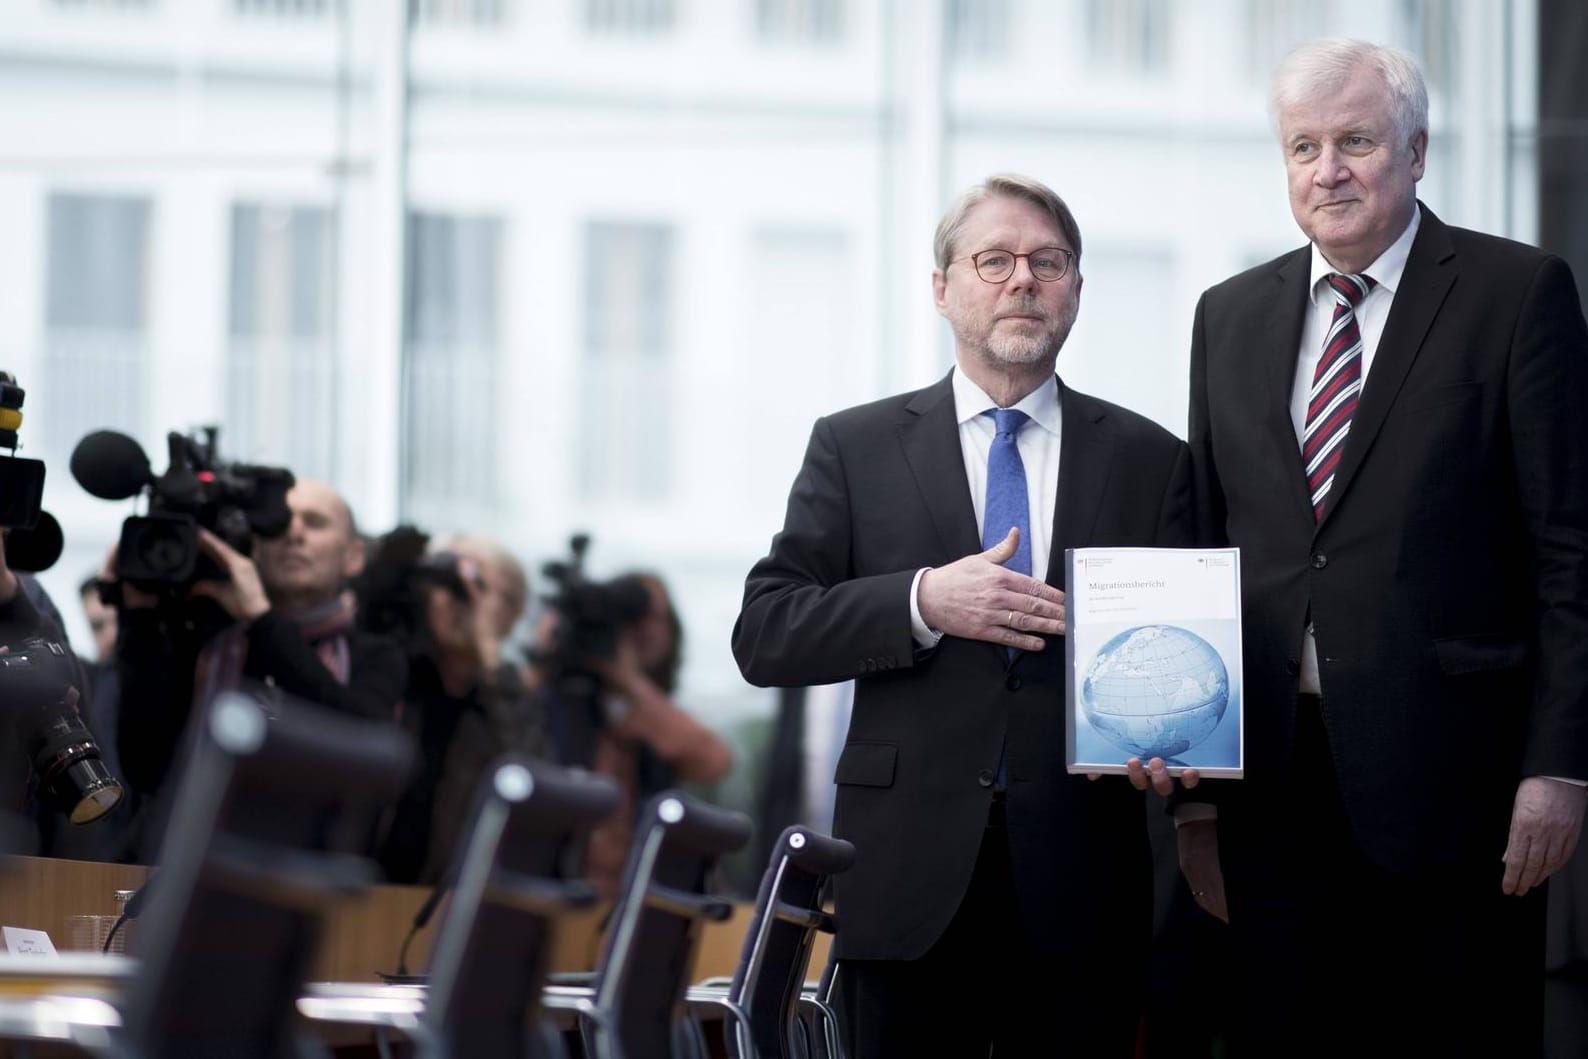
x=518 y=874
x=819 y=1019
x=271 y=813
x=634 y=1006
x=760 y=1009
x=514 y=877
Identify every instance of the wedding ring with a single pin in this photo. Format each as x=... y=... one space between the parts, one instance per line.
x=1011 y=619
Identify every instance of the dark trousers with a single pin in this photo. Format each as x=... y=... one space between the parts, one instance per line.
x=982 y=990
x=1337 y=956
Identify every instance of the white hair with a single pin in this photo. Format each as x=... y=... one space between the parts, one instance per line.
x=1320 y=67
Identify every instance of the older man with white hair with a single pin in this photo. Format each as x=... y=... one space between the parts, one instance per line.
x=1388 y=422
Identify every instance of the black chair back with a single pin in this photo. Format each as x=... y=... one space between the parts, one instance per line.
x=662 y=907
x=517 y=873
x=272 y=811
x=789 y=912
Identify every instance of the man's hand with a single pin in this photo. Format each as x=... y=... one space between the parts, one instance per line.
x=132 y=597
x=977 y=599
x=481 y=608
x=1156 y=774
x=1545 y=822
x=241 y=595
x=1199 y=863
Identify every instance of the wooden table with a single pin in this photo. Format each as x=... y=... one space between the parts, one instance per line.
x=361 y=938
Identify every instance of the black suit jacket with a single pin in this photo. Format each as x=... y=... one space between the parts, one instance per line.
x=1448 y=579
x=883 y=493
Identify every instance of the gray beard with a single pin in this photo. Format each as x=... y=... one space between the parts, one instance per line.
x=1021 y=350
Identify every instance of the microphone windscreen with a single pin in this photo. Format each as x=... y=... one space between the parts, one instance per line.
x=110 y=465
x=37 y=547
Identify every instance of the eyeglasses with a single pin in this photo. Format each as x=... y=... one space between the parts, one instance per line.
x=1048 y=264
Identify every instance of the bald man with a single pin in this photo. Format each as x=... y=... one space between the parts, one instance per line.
x=288 y=622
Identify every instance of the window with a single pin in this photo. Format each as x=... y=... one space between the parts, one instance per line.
x=799 y=328
x=624 y=423
x=453 y=305
x=799 y=21
x=1128 y=36
x=1274 y=27
x=637 y=17
x=283 y=8
x=94 y=319
x=977 y=30
x=281 y=372
x=1431 y=36
x=466 y=14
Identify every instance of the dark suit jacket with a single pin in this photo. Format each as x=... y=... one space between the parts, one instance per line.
x=882 y=494
x=1448 y=580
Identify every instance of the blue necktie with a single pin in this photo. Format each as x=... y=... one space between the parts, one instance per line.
x=1007 y=506
x=1006 y=489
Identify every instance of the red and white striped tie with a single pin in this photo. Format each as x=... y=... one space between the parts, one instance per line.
x=1336 y=386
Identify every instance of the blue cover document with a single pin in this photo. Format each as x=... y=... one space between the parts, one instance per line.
x=1154 y=659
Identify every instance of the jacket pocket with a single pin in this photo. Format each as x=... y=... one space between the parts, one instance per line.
x=867 y=764
x=1476 y=654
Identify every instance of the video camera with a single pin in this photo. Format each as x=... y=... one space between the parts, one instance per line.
x=391 y=589
x=33 y=537
x=235 y=501
x=591 y=615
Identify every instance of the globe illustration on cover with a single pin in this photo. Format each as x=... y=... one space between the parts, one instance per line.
x=1155 y=690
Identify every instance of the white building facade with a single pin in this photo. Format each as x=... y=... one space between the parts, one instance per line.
x=528 y=267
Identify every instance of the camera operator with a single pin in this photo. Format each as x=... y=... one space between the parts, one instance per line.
x=283 y=618
x=645 y=740
x=467 y=705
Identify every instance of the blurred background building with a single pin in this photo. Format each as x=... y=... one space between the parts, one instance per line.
x=527 y=267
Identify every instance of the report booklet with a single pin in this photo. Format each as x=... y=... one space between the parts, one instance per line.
x=1154 y=666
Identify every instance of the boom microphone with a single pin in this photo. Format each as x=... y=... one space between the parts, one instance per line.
x=111 y=465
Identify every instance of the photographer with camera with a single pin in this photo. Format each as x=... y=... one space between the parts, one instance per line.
x=282 y=618
x=464 y=703
x=628 y=725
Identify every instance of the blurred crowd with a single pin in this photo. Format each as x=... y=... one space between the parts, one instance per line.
x=407 y=630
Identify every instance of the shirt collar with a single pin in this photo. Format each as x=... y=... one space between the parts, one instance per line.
x=1041 y=404
x=1386 y=271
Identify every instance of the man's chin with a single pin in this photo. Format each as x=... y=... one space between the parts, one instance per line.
x=1020 y=352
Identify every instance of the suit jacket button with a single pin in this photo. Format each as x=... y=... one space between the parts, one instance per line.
x=1013 y=683
x=985 y=778
x=1319 y=561
x=1292 y=667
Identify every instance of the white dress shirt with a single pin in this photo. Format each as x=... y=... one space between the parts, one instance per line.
x=1038 y=442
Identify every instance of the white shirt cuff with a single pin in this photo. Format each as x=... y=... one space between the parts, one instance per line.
x=925 y=638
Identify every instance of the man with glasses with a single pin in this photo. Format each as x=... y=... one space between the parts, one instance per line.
x=996 y=901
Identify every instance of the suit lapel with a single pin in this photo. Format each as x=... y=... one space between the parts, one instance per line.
x=1425 y=283
x=1085 y=458
x=930 y=438
x=1278 y=343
